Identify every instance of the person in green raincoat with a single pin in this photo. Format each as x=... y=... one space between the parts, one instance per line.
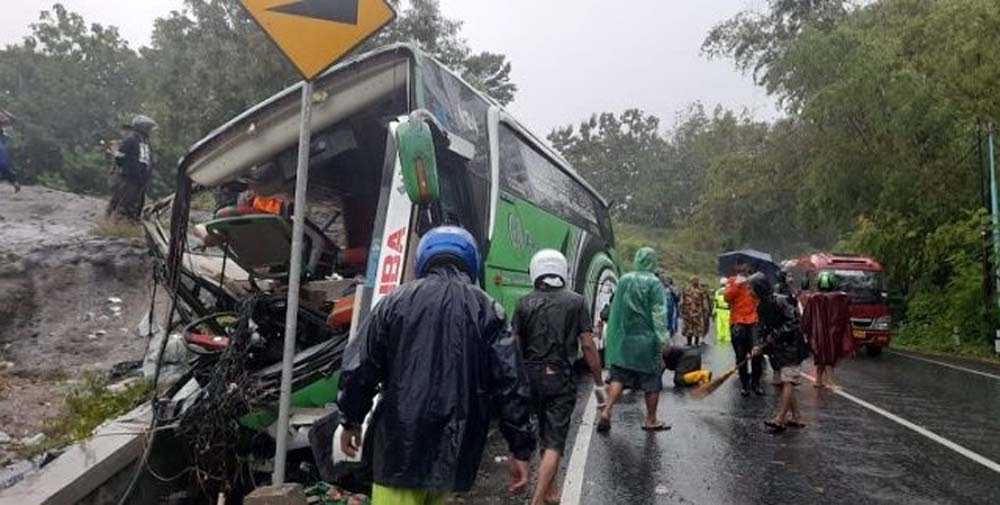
x=636 y=336
x=722 y=330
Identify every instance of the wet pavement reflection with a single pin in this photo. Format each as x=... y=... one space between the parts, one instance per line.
x=719 y=453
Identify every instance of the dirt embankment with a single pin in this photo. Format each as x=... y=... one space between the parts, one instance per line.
x=70 y=302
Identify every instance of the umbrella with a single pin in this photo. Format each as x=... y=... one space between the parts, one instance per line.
x=759 y=261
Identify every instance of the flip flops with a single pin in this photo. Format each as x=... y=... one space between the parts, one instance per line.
x=603 y=425
x=774 y=427
x=657 y=427
x=795 y=424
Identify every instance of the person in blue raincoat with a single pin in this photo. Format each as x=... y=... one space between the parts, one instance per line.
x=441 y=353
x=6 y=166
x=672 y=301
x=636 y=337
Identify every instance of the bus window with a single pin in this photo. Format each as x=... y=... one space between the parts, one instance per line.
x=528 y=173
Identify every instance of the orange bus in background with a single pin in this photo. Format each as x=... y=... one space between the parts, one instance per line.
x=863 y=279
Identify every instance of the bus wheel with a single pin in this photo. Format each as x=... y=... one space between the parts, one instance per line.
x=873 y=351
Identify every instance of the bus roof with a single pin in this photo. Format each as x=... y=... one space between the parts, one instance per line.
x=290 y=96
x=843 y=262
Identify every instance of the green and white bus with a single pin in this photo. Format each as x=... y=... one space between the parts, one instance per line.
x=489 y=174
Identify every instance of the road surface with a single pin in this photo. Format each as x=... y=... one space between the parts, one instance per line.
x=903 y=429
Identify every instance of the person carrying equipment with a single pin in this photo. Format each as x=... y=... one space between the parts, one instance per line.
x=134 y=169
x=826 y=320
x=439 y=350
x=7 y=172
x=686 y=365
x=552 y=324
x=721 y=313
x=785 y=346
x=636 y=336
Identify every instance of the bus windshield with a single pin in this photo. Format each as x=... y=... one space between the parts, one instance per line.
x=863 y=286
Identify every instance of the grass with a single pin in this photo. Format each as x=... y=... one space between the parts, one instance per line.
x=975 y=351
x=679 y=253
x=88 y=405
x=116 y=229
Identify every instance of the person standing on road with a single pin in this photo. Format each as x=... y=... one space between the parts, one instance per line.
x=721 y=312
x=134 y=169
x=7 y=172
x=743 y=319
x=552 y=324
x=440 y=351
x=636 y=337
x=673 y=302
x=695 y=308
x=826 y=319
x=783 y=342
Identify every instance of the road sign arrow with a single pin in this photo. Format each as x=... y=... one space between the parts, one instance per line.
x=338 y=11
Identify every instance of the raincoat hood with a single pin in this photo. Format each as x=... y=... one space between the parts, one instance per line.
x=441 y=353
x=646 y=260
x=637 y=326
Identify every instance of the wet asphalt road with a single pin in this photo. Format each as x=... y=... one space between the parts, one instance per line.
x=719 y=453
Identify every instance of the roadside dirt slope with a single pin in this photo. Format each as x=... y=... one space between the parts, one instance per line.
x=70 y=302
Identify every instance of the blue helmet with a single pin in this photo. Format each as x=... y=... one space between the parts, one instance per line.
x=449 y=241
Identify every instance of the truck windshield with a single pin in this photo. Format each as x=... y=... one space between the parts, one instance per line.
x=862 y=286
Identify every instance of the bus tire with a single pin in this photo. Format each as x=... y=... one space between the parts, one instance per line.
x=873 y=351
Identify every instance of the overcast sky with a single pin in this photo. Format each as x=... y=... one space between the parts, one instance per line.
x=571 y=57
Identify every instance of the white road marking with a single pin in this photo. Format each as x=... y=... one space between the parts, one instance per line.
x=573 y=483
x=974 y=456
x=948 y=365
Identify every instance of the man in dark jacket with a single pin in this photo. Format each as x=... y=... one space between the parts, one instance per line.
x=6 y=166
x=440 y=352
x=785 y=346
x=134 y=169
x=552 y=325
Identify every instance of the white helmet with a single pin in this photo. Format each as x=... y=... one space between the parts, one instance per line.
x=722 y=281
x=549 y=262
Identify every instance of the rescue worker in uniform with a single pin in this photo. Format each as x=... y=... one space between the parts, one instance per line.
x=636 y=337
x=7 y=172
x=695 y=308
x=134 y=169
x=552 y=325
x=440 y=351
x=721 y=312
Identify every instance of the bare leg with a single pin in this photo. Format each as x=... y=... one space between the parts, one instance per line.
x=820 y=372
x=652 y=402
x=783 y=405
x=545 y=490
x=614 y=392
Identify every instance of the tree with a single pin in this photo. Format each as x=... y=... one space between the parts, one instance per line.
x=69 y=84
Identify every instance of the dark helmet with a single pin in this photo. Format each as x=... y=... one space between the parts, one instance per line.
x=760 y=285
x=448 y=242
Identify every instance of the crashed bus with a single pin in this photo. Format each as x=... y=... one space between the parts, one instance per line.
x=400 y=144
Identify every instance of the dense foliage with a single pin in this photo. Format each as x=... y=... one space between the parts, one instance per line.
x=71 y=84
x=879 y=150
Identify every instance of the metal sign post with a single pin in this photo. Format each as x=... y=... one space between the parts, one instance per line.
x=313 y=34
x=294 y=284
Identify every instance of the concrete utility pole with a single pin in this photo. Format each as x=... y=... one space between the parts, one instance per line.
x=995 y=211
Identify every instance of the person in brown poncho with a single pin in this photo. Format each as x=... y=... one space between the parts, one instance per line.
x=696 y=306
x=826 y=320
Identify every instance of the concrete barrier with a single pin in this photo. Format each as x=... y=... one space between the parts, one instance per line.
x=84 y=467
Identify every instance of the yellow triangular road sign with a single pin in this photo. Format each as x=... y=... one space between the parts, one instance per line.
x=315 y=34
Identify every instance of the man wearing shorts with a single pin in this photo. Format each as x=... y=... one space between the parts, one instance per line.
x=786 y=346
x=636 y=336
x=552 y=324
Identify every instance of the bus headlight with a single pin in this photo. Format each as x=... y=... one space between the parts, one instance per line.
x=882 y=323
